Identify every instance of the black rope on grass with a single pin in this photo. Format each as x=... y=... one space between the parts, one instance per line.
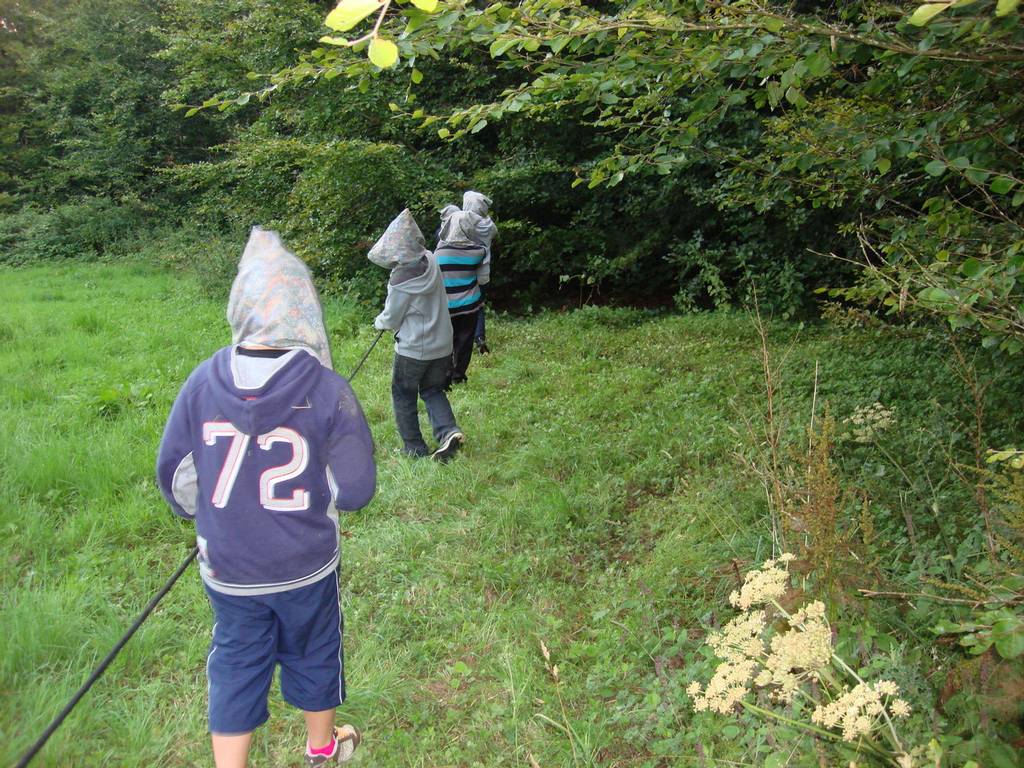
x=98 y=672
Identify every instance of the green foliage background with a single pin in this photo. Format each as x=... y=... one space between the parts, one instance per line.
x=725 y=148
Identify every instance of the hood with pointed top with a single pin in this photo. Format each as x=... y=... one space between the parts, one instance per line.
x=476 y=202
x=460 y=230
x=448 y=210
x=401 y=243
x=273 y=300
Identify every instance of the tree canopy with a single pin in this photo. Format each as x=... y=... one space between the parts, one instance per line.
x=706 y=151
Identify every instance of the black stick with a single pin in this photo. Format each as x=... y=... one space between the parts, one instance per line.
x=366 y=354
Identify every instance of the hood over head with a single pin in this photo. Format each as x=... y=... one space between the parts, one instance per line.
x=273 y=300
x=260 y=410
x=448 y=210
x=477 y=202
x=401 y=243
x=459 y=229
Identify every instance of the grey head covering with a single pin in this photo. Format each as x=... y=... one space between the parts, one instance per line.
x=476 y=202
x=459 y=229
x=401 y=243
x=273 y=300
x=447 y=211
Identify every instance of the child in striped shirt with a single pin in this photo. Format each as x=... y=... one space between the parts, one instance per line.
x=465 y=267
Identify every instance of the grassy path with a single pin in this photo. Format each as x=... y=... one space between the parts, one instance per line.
x=595 y=510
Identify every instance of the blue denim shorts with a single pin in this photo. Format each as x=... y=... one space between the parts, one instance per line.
x=300 y=630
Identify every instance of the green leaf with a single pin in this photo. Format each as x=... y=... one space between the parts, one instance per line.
x=416 y=20
x=1006 y=7
x=926 y=13
x=383 y=53
x=427 y=6
x=977 y=175
x=773 y=25
x=776 y=760
x=478 y=126
x=935 y=296
x=417 y=76
x=501 y=45
x=333 y=40
x=1010 y=644
x=1001 y=185
x=884 y=164
x=443 y=133
x=973 y=268
x=935 y=168
x=557 y=44
x=348 y=13
x=192 y=111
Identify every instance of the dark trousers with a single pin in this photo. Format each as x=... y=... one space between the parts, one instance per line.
x=425 y=379
x=463 y=330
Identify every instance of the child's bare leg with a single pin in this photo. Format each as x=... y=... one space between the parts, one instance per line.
x=231 y=751
x=319 y=728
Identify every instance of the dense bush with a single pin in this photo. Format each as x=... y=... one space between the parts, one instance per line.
x=86 y=228
x=329 y=199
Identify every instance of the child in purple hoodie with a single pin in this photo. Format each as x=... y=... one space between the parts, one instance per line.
x=263 y=445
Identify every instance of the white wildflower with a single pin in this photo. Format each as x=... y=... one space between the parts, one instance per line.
x=867 y=422
x=857 y=711
x=761 y=587
x=801 y=652
x=727 y=686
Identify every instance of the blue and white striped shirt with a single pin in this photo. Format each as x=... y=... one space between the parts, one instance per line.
x=464 y=271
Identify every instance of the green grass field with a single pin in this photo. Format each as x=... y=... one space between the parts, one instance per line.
x=597 y=511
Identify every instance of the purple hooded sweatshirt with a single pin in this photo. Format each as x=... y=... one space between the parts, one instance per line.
x=262 y=447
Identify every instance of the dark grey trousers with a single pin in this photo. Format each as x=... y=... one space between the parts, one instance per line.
x=425 y=379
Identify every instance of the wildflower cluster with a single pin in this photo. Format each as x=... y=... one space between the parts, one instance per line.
x=763 y=586
x=799 y=653
x=766 y=647
x=869 y=421
x=754 y=654
x=858 y=711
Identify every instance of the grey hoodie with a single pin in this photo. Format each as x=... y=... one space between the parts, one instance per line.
x=478 y=203
x=417 y=305
x=484 y=229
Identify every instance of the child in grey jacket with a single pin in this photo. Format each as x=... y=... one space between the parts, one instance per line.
x=417 y=310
